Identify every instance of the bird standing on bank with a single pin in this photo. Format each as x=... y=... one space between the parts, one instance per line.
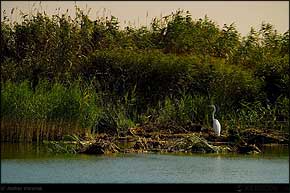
x=216 y=124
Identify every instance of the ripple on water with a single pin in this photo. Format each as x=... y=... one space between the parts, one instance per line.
x=143 y=168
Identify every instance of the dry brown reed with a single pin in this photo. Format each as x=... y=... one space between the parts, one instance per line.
x=38 y=130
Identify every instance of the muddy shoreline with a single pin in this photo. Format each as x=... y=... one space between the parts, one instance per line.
x=248 y=141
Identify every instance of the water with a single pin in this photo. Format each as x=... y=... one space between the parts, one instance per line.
x=32 y=164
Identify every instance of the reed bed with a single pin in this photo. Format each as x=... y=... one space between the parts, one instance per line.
x=51 y=113
x=39 y=130
x=62 y=75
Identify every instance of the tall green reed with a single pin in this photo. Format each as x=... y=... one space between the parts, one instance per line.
x=79 y=106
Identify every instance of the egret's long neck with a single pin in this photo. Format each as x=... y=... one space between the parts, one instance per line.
x=213 y=112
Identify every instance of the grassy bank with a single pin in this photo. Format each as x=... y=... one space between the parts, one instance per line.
x=63 y=75
x=53 y=111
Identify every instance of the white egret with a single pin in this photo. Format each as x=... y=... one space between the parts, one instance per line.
x=216 y=124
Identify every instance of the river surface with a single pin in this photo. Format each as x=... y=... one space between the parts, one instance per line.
x=28 y=163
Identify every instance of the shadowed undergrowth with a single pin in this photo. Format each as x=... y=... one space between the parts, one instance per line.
x=63 y=75
x=53 y=110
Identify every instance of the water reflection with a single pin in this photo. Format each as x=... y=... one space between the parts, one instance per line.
x=33 y=150
x=218 y=164
x=274 y=149
x=31 y=163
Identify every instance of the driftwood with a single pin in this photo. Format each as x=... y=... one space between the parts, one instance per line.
x=140 y=140
x=189 y=144
x=101 y=146
x=248 y=148
x=254 y=136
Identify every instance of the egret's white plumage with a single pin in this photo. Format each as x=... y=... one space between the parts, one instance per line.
x=216 y=124
x=217 y=127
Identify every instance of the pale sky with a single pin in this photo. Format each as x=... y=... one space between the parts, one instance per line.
x=244 y=13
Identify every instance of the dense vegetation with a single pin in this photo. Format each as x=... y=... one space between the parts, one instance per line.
x=110 y=79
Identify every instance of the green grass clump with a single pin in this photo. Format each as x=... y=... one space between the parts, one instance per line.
x=79 y=106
